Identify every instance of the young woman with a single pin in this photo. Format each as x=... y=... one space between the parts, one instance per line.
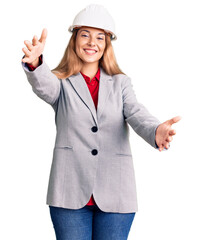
x=92 y=189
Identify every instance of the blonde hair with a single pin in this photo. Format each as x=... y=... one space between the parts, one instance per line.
x=71 y=64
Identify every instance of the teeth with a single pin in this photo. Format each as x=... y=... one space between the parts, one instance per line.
x=90 y=51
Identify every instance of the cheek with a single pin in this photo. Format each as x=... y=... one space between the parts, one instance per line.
x=78 y=45
x=78 y=49
x=102 y=48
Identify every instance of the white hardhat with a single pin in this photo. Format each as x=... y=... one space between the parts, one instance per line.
x=95 y=15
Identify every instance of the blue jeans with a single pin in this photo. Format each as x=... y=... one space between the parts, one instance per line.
x=90 y=222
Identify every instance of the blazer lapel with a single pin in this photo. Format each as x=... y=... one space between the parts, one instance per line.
x=105 y=87
x=80 y=86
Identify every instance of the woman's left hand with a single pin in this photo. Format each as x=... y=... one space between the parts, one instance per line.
x=164 y=133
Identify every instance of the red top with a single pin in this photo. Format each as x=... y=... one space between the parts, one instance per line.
x=93 y=87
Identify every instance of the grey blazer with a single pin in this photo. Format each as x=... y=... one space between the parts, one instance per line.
x=92 y=153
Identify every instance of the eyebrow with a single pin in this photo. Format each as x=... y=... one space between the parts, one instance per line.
x=89 y=31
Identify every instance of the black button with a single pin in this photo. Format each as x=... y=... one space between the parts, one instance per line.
x=94 y=151
x=94 y=129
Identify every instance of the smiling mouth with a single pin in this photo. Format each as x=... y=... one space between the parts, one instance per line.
x=90 y=52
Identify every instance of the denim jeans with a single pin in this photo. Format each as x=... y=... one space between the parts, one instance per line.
x=90 y=223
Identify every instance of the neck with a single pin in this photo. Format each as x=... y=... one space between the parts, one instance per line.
x=90 y=69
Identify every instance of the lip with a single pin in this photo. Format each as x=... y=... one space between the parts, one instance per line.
x=90 y=49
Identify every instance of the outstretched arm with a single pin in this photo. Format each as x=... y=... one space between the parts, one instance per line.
x=44 y=83
x=136 y=114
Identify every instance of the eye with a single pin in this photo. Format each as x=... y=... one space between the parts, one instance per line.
x=84 y=35
x=101 y=38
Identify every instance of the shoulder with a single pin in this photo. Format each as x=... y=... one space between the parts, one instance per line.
x=119 y=76
x=121 y=79
x=118 y=79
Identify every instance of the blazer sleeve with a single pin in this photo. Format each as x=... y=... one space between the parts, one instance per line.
x=138 y=117
x=44 y=83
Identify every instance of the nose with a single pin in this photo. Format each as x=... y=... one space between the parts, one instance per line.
x=91 y=42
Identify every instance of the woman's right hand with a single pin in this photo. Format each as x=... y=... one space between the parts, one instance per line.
x=34 y=50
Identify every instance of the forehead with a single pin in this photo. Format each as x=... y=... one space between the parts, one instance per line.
x=91 y=30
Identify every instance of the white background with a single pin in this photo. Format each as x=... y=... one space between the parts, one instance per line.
x=159 y=47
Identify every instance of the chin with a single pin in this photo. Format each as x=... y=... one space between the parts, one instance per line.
x=90 y=61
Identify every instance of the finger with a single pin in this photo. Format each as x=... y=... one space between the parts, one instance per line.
x=167 y=145
x=35 y=40
x=169 y=139
x=27 y=52
x=161 y=148
x=43 y=35
x=28 y=44
x=25 y=59
x=174 y=120
x=172 y=132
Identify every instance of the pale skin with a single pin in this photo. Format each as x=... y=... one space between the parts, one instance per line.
x=94 y=39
